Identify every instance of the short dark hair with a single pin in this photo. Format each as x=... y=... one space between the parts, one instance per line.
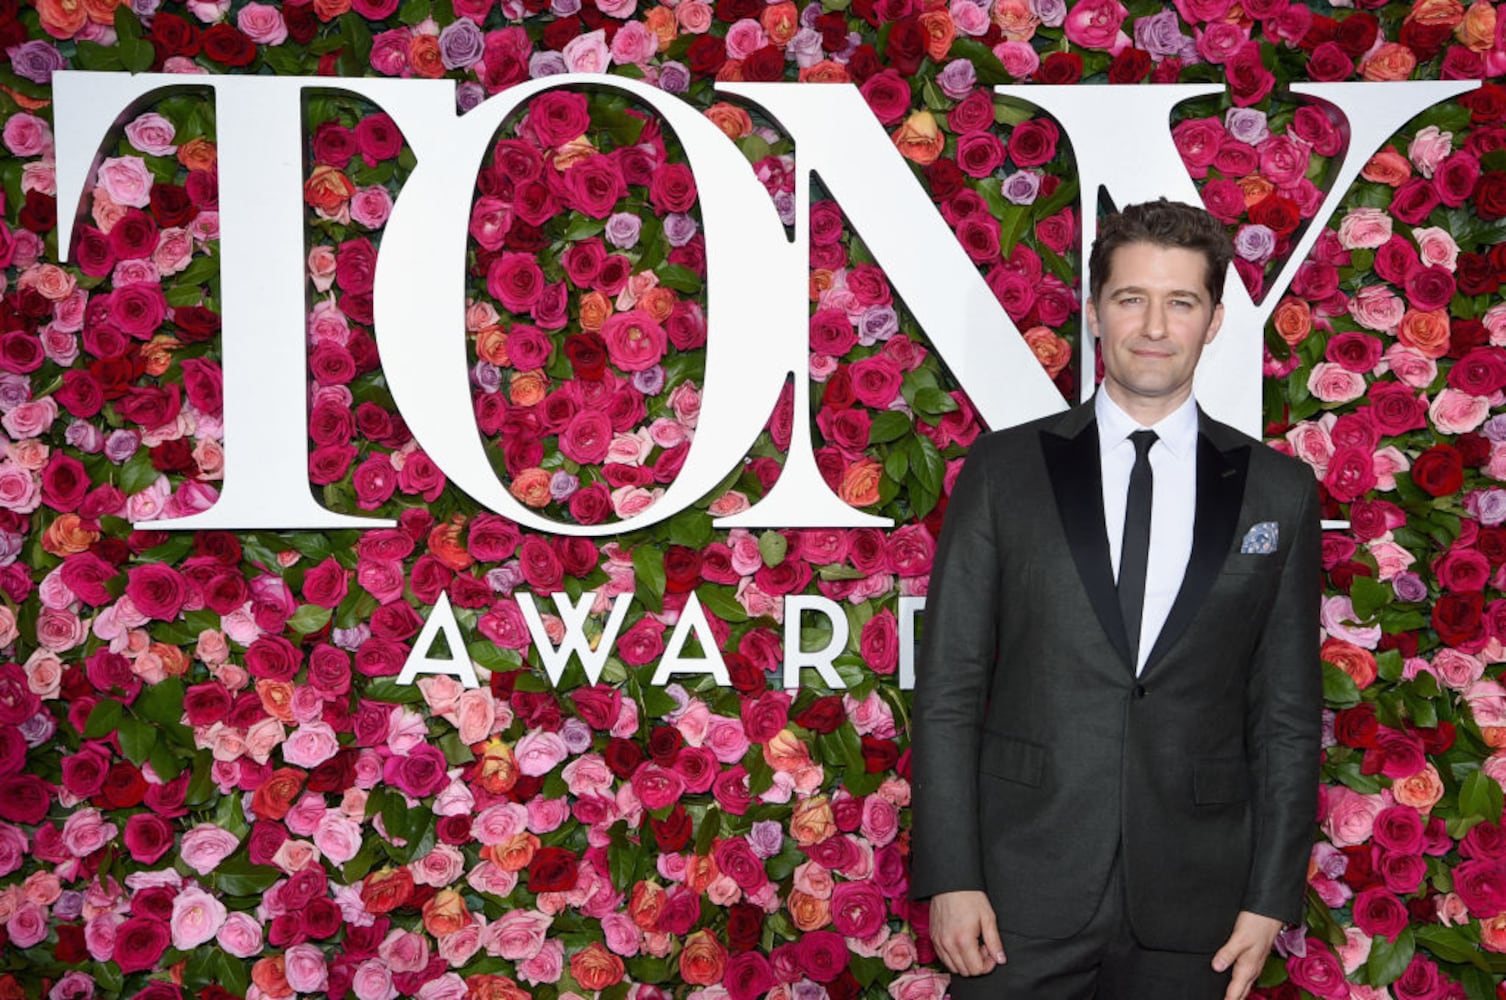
x=1165 y=224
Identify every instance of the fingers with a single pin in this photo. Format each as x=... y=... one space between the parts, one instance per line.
x=1246 y=968
x=993 y=947
x=965 y=935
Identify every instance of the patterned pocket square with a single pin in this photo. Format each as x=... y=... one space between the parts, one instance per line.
x=1260 y=540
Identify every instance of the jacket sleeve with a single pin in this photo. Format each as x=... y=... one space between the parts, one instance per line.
x=951 y=687
x=1284 y=725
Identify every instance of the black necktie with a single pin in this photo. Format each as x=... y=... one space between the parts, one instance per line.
x=1134 y=553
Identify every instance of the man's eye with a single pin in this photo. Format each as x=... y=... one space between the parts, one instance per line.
x=1129 y=300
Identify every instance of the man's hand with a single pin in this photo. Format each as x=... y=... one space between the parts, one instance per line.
x=965 y=934
x=1246 y=951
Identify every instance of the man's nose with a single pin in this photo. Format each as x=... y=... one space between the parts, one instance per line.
x=1155 y=320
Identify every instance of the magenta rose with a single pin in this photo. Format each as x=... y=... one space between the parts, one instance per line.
x=139 y=942
x=1430 y=288
x=326 y=584
x=876 y=381
x=1094 y=24
x=1378 y=912
x=858 y=909
x=979 y=154
x=273 y=657
x=420 y=773
x=1033 y=142
x=594 y=186
x=748 y=976
x=148 y=837
x=587 y=437
x=657 y=787
x=1318 y=972
x=158 y=591
x=635 y=342
x=823 y=954
x=528 y=347
x=138 y=309
x=515 y=280
x=672 y=188
x=1481 y=884
x=558 y=116
x=1351 y=473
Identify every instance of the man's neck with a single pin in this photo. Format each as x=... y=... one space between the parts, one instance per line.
x=1147 y=411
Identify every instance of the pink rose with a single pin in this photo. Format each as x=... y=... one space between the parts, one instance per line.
x=1364 y=228
x=1428 y=149
x=126 y=180
x=1333 y=383
x=1455 y=412
x=518 y=935
x=305 y=969
x=1094 y=24
x=515 y=280
x=197 y=917
x=635 y=342
x=1349 y=816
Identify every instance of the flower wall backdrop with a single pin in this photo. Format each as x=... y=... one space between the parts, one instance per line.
x=210 y=784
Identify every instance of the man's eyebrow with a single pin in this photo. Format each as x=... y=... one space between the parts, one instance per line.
x=1137 y=290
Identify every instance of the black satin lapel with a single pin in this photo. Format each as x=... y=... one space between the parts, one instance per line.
x=1077 y=481
x=1220 y=491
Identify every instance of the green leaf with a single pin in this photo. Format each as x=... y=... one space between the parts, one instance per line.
x=648 y=570
x=933 y=402
x=167 y=764
x=722 y=602
x=1339 y=690
x=104 y=719
x=927 y=464
x=136 y=739
x=990 y=70
x=310 y=618
x=1368 y=596
x=1480 y=796
x=137 y=473
x=1388 y=959
x=161 y=702
x=771 y=547
x=237 y=876
x=96 y=57
x=890 y=425
x=681 y=279
x=1448 y=943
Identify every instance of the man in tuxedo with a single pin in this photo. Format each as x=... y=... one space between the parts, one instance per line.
x=1118 y=701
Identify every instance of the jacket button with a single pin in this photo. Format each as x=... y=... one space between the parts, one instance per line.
x=1139 y=691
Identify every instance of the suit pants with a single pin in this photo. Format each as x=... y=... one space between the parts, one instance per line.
x=1103 y=961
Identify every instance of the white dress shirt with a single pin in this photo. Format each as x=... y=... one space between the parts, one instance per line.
x=1173 y=463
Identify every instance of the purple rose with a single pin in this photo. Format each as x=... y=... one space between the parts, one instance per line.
x=36 y=61
x=1021 y=187
x=461 y=44
x=1160 y=34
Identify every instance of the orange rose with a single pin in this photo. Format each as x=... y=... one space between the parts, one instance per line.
x=569 y=154
x=423 y=56
x=1493 y=933
x=490 y=987
x=516 y=852
x=328 y=10
x=498 y=768
x=269 y=975
x=445 y=913
x=1494 y=736
x=808 y=912
x=1421 y=791
x=274 y=797
x=939 y=30
x=174 y=660
x=820 y=281
x=1387 y=167
x=860 y=483
x=1392 y=61
x=646 y=904
x=327 y=189
x=731 y=119
x=198 y=154
x=62 y=18
x=1477 y=31
x=781 y=21
x=661 y=22
x=700 y=871
x=1016 y=21
x=1435 y=13
x=67 y=536
x=595 y=968
x=825 y=71
x=919 y=140
x=595 y=308
x=731 y=72
x=785 y=752
x=491 y=346
x=1358 y=663
x=276 y=698
x=658 y=302
x=531 y=487
x=1426 y=331
x=447 y=546
x=1050 y=350
x=1254 y=187
x=386 y=889
x=812 y=821
x=704 y=958
x=528 y=388
x=158 y=353
x=1293 y=320
x=101 y=11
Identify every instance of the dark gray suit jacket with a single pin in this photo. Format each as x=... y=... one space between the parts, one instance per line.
x=1037 y=752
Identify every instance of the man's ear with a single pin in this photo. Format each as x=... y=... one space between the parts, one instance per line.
x=1214 y=324
x=1091 y=312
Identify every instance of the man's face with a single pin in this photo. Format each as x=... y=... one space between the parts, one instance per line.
x=1153 y=317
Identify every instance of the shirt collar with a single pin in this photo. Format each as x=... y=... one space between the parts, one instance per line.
x=1177 y=430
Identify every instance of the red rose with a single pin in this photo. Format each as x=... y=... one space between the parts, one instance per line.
x=672 y=832
x=1357 y=33
x=1356 y=727
x=1475 y=274
x=1487 y=104
x=171 y=35
x=1439 y=471
x=879 y=755
x=228 y=45
x=824 y=715
x=94 y=252
x=139 y=942
x=1329 y=63
x=1281 y=214
x=196 y=323
x=1490 y=195
x=706 y=55
x=744 y=927
x=171 y=205
x=906 y=45
x=553 y=869
x=864 y=63
x=765 y=65
x=1060 y=68
x=1457 y=617
x=1249 y=80
x=944 y=178
x=1129 y=66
